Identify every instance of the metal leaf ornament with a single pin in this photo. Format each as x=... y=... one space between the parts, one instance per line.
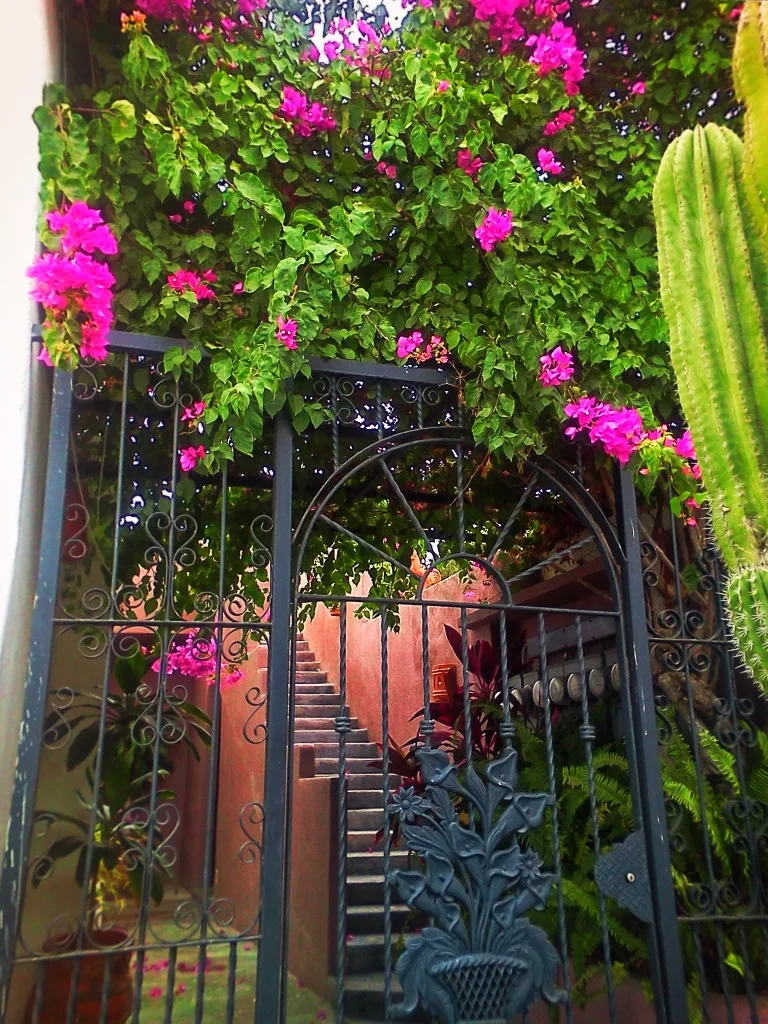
x=481 y=961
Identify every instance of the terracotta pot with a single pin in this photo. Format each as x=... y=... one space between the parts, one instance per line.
x=58 y=979
x=443 y=682
x=336 y=611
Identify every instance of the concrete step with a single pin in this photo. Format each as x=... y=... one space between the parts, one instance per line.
x=355 y=737
x=364 y=997
x=326 y=711
x=356 y=750
x=310 y=677
x=371 y=780
x=365 y=799
x=307 y=721
x=365 y=953
x=362 y=864
x=306 y=658
x=361 y=819
x=310 y=688
x=355 y=766
x=302 y=645
x=368 y=920
x=361 y=841
x=365 y=890
x=319 y=698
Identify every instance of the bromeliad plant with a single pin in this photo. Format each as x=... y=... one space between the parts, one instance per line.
x=711 y=205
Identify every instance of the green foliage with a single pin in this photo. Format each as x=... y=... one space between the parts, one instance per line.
x=710 y=203
x=315 y=233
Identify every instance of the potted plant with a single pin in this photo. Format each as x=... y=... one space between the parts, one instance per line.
x=111 y=859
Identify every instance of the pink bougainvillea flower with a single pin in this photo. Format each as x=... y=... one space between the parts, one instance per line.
x=181 y=989
x=559 y=122
x=443 y=85
x=237 y=288
x=193 y=412
x=496 y=226
x=286 y=332
x=307 y=119
x=82 y=228
x=557 y=49
x=175 y=218
x=556 y=367
x=190 y=281
x=736 y=12
x=44 y=357
x=189 y=206
x=408 y=343
x=189 y=457
x=638 y=89
x=548 y=163
x=155 y=992
x=684 y=447
x=469 y=164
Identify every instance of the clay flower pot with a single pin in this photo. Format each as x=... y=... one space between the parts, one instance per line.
x=58 y=979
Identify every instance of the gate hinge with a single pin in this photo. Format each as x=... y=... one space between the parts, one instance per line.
x=622 y=874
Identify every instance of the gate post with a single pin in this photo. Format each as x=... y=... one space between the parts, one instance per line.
x=666 y=959
x=270 y=1007
x=13 y=868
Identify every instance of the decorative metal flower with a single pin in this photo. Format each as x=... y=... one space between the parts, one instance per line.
x=407 y=804
x=481 y=960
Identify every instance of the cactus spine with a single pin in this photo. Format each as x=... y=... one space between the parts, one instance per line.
x=711 y=209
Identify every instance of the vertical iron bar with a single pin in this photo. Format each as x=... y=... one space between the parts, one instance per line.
x=21 y=812
x=213 y=766
x=99 y=763
x=342 y=727
x=170 y=984
x=555 y=827
x=231 y=982
x=37 y=1009
x=387 y=834
x=703 y=991
x=669 y=976
x=587 y=733
x=104 y=1011
x=427 y=726
x=334 y=381
x=279 y=760
x=465 y=684
x=506 y=729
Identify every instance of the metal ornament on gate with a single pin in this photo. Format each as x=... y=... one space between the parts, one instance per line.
x=482 y=962
x=622 y=874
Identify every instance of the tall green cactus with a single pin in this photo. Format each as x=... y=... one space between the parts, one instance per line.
x=711 y=209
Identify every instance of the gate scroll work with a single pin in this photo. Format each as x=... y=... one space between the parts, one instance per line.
x=500 y=849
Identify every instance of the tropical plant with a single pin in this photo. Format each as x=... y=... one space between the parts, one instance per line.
x=122 y=834
x=711 y=206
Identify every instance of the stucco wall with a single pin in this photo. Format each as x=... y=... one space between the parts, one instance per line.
x=23 y=383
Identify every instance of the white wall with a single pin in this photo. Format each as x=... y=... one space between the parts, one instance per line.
x=24 y=384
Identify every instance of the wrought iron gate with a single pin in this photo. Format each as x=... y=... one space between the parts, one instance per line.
x=248 y=639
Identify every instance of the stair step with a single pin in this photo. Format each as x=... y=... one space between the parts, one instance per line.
x=364 y=997
x=365 y=800
x=370 y=780
x=321 y=712
x=361 y=841
x=365 y=953
x=302 y=645
x=310 y=677
x=310 y=689
x=355 y=766
x=305 y=658
x=367 y=920
x=307 y=721
x=317 y=697
x=358 y=737
x=356 y=750
x=361 y=864
x=359 y=819
x=366 y=890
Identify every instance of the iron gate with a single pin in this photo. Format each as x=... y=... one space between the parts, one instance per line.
x=374 y=580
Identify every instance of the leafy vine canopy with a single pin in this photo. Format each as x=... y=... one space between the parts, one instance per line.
x=465 y=183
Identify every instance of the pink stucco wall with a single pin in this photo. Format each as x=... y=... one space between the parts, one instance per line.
x=404 y=647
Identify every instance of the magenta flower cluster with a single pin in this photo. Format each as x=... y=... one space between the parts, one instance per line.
x=355 y=42
x=307 y=118
x=496 y=226
x=195 y=658
x=190 y=281
x=286 y=332
x=548 y=162
x=74 y=287
x=559 y=122
x=556 y=367
x=468 y=163
x=553 y=49
x=414 y=345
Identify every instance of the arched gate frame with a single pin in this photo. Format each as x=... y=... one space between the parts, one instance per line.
x=439 y=978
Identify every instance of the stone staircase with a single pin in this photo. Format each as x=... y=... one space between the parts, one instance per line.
x=316 y=707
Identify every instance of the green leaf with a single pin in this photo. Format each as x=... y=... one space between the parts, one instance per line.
x=285 y=274
x=123 y=125
x=130 y=671
x=419 y=140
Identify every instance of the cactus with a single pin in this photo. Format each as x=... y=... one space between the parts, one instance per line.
x=711 y=209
